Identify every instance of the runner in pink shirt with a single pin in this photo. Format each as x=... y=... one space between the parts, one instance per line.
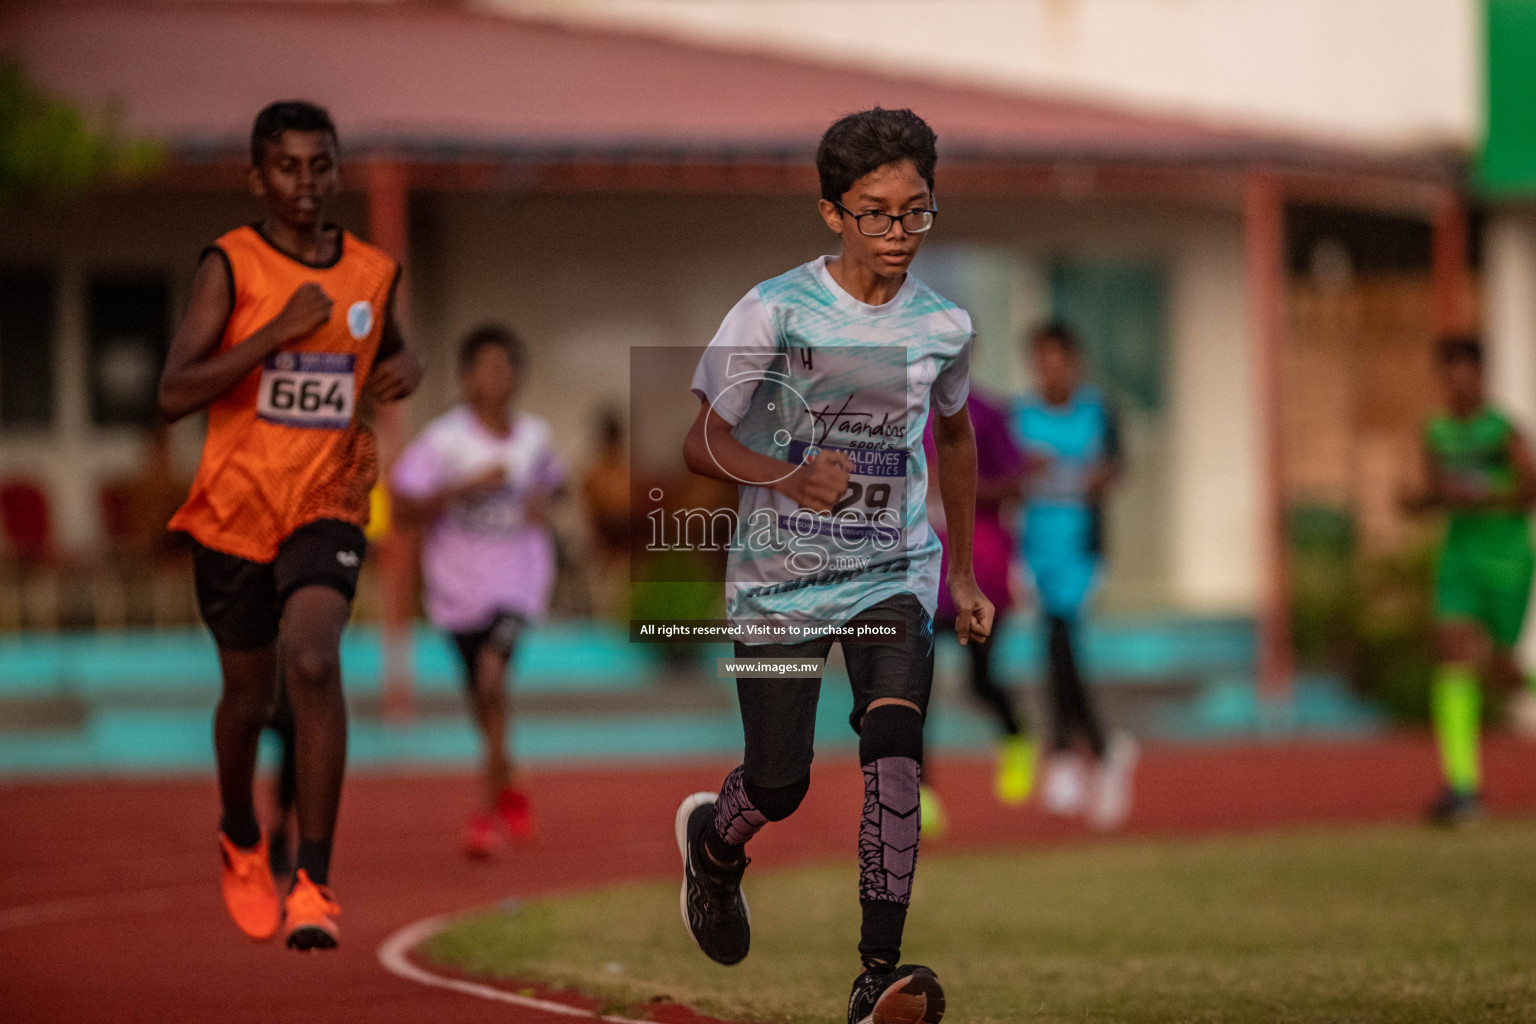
x=479 y=480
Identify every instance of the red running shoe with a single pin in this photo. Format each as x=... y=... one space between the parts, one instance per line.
x=515 y=812
x=481 y=836
x=249 y=892
x=309 y=915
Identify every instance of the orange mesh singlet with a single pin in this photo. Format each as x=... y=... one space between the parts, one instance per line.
x=284 y=445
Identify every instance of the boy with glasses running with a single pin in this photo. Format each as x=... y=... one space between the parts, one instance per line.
x=815 y=392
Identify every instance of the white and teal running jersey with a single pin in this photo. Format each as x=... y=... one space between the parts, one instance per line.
x=800 y=366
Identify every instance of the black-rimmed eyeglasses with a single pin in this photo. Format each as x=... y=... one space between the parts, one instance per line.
x=876 y=225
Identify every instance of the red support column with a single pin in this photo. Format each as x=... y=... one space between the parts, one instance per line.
x=389 y=229
x=1449 y=266
x=1264 y=240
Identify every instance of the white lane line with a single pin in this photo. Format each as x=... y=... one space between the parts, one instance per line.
x=394 y=957
x=146 y=901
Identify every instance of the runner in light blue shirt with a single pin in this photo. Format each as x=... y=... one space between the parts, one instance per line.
x=1071 y=436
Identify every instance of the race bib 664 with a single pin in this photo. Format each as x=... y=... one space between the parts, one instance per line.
x=307 y=389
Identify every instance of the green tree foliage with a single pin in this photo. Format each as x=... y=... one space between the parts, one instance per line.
x=50 y=149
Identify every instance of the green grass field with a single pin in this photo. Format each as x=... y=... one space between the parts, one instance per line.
x=1383 y=924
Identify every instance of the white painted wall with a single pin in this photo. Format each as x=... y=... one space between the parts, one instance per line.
x=1509 y=326
x=1509 y=307
x=1383 y=71
x=1215 y=474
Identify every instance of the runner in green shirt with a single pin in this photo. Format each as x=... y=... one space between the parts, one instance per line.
x=1478 y=470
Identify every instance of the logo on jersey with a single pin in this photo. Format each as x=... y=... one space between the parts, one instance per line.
x=360 y=319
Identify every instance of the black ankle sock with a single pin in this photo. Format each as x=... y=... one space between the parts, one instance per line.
x=241 y=828
x=315 y=861
x=880 y=936
x=722 y=851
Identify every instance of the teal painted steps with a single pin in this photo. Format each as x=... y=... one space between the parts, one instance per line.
x=142 y=702
x=1230 y=706
x=553 y=657
x=568 y=656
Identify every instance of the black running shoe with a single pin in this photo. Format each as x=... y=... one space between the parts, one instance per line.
x=1452 y=809
x=714 y=908
x=909 y=994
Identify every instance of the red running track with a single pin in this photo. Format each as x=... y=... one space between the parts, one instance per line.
x=109 y=904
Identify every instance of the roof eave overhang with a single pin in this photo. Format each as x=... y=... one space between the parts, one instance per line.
x=1207 y=173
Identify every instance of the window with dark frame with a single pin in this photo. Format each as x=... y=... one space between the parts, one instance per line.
x=1119 y=308
x=26 y=348
x=129 y=320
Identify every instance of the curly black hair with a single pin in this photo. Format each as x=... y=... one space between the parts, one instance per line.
x=1460 y=348
x=487 y=335
x=860 y=143
x=288 y=116
x=1056 y=333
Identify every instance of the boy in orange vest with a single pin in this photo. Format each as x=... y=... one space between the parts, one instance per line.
x=290 y=322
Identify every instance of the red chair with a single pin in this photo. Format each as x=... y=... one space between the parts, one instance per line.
x=32 y=596
x=25 y=519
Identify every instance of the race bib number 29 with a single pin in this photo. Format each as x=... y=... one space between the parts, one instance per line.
x=877 y=488
x=307 y=389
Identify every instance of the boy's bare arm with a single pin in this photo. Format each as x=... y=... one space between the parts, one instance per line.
x=711 y=450
x=955 y=447
x=196 y=373
x=1442 y=492
x=1424 y=494
x=419 y=510
x=1524 y=496
x=398 y=372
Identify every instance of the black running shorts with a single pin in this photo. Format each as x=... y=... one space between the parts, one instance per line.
x=779 y=715
x=242 y=601
x=501 y=636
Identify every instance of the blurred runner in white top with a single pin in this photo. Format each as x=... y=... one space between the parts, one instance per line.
x=479 y=479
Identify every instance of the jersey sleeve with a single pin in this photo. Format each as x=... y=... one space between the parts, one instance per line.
x=953 y=384
x=419 y=472
x=741 y=350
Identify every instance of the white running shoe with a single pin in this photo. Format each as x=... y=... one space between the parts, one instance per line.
x=1064 y=791
x=1112 y=783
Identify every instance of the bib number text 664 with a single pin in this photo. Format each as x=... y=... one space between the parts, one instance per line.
x=308 y=395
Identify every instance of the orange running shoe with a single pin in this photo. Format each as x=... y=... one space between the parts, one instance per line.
x=481 y=837
x=249 y=892
x=308 y=911
x=516 y=813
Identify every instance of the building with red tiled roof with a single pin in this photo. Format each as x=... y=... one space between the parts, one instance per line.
x=602 y=190
x=444 y=84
